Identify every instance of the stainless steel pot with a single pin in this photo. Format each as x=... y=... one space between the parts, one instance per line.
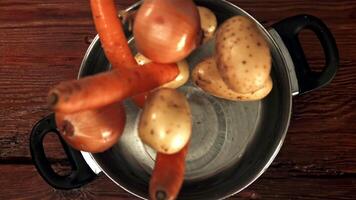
x=232 y=143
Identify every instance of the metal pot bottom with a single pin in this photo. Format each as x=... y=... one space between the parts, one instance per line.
x=221 y=132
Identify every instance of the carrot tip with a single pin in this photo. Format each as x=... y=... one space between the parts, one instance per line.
x=52 y=99
x=67 y=128
x=161 y=195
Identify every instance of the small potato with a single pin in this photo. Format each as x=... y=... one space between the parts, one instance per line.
x=141 y=59
x=182 y=77
x=180 y=80
x=242 y=54
x=208 y=22
x=207 y=77
x=166 y=121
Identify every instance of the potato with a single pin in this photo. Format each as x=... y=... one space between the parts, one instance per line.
x=208 y=22
x=141 y=59
x=242 y=54
x=166 y=121
x=180 y=80
x=207 y=77
x=182 y=77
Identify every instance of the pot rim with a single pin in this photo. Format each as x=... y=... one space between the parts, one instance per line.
x=96 y=167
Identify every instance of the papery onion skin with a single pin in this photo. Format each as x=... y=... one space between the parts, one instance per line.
x=92 y=130
x=166 y=31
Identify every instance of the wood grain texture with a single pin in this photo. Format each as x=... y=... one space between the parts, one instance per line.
x=279 y=182
x=43 y=42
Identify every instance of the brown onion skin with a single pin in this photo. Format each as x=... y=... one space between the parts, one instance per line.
x=92 y=130
x=166 y=31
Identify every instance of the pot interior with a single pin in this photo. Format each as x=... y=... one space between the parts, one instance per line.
x=232 y=142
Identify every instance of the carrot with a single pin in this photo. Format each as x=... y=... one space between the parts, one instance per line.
x=105 y=88
x=111 y=34
x=140 y=99
x=168 y=175
x=113 y=38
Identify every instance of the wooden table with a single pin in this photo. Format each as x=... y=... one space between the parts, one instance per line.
x=43 y=42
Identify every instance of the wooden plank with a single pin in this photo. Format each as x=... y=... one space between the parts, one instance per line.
x=43 y=42
x=52 y=53
x=27 y=184
x=277 y=183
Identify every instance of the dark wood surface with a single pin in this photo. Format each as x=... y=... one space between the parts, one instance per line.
x=43 y=42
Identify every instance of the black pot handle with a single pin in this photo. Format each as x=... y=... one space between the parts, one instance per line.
x=288 y=30
x=81 y=173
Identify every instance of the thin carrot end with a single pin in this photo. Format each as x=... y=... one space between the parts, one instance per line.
x=67 y=128
x=161 y=195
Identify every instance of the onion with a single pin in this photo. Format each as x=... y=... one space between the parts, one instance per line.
x=92 y=130
x=166 y=31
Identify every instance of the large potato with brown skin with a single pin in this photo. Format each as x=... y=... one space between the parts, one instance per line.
x=242 y=54
x=207 y=77
x=166 y=121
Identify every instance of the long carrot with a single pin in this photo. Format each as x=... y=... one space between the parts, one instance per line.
x=168 y=175
x=111 y=34
x=113 y=39
x=105 y=88
x=140 y=99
